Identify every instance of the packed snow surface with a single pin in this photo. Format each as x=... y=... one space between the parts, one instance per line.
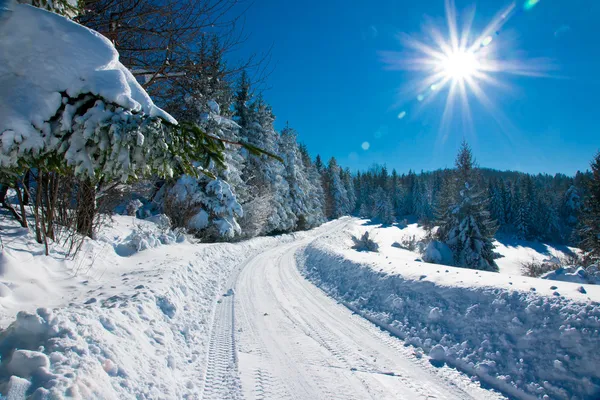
x=526 y=337
x=188 y=320
x=129 y=317
x=143 y=312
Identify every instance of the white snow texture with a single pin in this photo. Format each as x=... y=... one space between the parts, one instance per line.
x=524 y=343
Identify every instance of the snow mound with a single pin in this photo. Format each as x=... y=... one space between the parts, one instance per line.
x=147 y=237
x=438 y=353
x=589 y=275
x=438 y=253
x=509 y=337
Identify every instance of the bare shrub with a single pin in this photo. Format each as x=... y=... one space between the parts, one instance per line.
x=179 y=211
x=409 y=243
x=365 y=243
x=536 y=268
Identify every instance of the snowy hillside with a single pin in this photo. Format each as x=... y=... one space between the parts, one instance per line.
x=527 y=337
x=514 y=252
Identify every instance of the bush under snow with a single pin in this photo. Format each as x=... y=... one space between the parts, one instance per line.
x=64 y=94
x=143 y=238
x=575 y=274
x=365 y=243
x=437 y=252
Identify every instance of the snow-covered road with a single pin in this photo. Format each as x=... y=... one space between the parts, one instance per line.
x=280 y=337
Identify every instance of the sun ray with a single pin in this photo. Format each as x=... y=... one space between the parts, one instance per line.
x=462 y=62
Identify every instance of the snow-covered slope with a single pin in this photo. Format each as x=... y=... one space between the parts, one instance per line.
x=514 y=252
x=524 y=336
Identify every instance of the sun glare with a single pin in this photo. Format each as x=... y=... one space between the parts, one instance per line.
x=462 y=63
x=459 y=65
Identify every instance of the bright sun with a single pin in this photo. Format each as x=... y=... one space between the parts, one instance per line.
x=459 y=65
x=461 y=62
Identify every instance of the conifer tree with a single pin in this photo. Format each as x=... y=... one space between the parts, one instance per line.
x=338 y=195
x=350 y=190
x=589 y=230
x=465 y=224
x=383 y=210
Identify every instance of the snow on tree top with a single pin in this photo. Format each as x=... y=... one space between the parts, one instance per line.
x=42 y=55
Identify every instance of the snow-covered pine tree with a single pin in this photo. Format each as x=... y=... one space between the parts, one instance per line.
x=299 y=185
x=423 y=209
x=338 y=194
x=346 y=176
x=393 y=189
x=316 y=194
x=465 y=225
x=409 y=198
x=66 y=8
x=507 y=200
x=571 y=207
x=383 y=210
x=265 y=174
x=87 y=120
x=496 y=205
x=589 y=230
x=210 y=209
x=520 y=212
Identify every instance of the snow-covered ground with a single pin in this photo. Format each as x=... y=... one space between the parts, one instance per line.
x=514 y=252
x=142 y=312
x=524 y=336
x=113 y=323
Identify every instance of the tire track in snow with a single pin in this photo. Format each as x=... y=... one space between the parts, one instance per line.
x=222 y=379
x=317 y=349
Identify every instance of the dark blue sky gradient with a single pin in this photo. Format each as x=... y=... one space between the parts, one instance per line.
x=331 y=84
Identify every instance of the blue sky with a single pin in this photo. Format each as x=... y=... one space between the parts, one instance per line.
x=331 y=83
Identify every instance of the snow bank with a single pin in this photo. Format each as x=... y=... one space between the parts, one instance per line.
x=589 y=275
x=437 y=252
x=137 y=328
x=521 y=342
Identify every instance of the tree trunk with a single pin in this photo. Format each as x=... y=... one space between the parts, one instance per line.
x=22 y=203
x=10 y=208
x=38 y=205
x=26 y=186
x=86 y=207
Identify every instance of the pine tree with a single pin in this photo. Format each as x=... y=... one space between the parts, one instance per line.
x=316 y=194
x=589 y=230
x=383 y=210
x=350 y=190
x=496 y=204
x=338 y=196
x=241 y=103
x=465 y=224
x=571 y=208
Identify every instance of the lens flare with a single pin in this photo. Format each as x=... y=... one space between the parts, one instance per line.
x=462 y=63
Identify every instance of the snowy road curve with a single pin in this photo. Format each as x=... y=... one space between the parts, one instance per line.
x=294 y=342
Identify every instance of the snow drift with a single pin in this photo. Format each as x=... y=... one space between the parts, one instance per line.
x=525 y=343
